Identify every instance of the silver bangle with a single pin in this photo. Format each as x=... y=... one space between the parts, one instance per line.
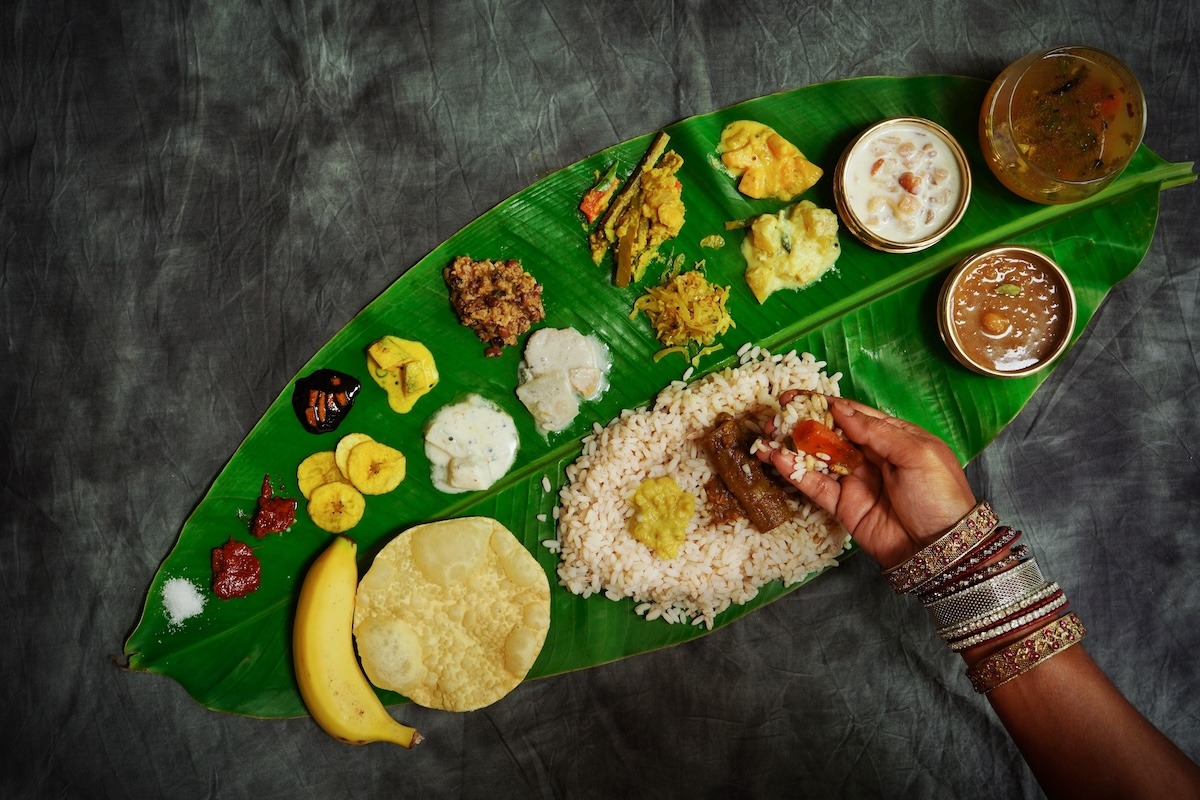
x=977 y=624
x=1019 y=553
x=1021 y=621
x=993 y=593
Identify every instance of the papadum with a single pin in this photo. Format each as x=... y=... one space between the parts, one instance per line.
x=452 y=614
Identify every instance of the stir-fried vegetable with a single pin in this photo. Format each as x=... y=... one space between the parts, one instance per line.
x=685 y=309
x=595 y=201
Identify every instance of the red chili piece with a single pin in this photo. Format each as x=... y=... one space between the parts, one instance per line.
x=274 y=514
x=596 y=201
x=236 y=570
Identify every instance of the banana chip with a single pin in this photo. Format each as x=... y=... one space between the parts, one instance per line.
x=334 y=481
x=336 y=507
x=317 y=470
x=344 y=446
x=452 y=614
x=375 y=468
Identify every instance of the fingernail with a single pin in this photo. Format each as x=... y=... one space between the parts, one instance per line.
x=846 y=409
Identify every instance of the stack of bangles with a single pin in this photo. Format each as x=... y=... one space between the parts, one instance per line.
x=976 y=593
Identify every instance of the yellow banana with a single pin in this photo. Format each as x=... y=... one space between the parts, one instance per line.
x=331 y=682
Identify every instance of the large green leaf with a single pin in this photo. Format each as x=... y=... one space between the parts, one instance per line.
x=872 y=319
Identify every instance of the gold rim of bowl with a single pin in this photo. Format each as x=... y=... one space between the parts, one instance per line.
x=946 y=309
x=860 y=230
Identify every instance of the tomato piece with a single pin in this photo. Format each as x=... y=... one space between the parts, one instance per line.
x=595 y=201
x=592 y=205
x=814 y=438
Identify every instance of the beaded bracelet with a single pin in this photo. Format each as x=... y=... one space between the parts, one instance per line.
x=1019 y=554
x=1000 y=538
x=956 y=544
x=1025 y=654
x=977 y=624
x=1043 y=594
x=987 y=596
x=1014 y=622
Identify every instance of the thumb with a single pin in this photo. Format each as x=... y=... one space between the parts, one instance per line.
x=893 y=439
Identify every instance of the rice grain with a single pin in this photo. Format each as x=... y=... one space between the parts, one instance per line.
x=718 y=565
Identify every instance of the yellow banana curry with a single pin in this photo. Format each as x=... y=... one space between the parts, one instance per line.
x=768 y=164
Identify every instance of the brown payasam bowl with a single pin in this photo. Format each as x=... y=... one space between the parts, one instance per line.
x=1006 y=312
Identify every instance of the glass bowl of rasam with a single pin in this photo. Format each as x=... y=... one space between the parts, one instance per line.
x=1006 y=312
x=1059 y=125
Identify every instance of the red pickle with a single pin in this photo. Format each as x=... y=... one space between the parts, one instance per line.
x=274 y=514
x=236 y=570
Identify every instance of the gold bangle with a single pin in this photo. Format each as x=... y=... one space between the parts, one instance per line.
x=1025 y=654
x=952 y=547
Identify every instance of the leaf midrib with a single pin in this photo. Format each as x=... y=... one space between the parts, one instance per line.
x=1165 y=174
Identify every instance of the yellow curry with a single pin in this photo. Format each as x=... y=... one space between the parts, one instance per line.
x=768 y=164
x=662 y=511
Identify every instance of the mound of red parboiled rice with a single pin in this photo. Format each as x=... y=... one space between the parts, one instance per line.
x=718 y=565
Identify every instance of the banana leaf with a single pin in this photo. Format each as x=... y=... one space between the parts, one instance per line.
x=873 y=319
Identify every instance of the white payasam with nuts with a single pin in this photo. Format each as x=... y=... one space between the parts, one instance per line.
x=903 y=183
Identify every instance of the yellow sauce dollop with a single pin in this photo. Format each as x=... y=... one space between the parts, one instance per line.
x=768 y=164
x=405 y=369
x=791 y=249
x=662 y=511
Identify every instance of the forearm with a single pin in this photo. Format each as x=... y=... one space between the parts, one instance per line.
x=1078 y=733
x=1082 y=738
x=993 y=605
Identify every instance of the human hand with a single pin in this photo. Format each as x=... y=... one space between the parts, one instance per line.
x=908 y=492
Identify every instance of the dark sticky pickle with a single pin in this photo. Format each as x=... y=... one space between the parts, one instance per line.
x=323 y=399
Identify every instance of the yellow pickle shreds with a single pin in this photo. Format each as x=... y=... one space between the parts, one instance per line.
x=686 y=309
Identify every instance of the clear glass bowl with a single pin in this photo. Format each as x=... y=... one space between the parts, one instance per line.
x=1059 y=125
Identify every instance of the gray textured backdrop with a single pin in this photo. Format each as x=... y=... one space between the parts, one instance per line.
x=195 y=196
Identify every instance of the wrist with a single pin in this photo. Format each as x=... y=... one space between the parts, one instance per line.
x=934 y=526
x=989 y=599
x=945 y=551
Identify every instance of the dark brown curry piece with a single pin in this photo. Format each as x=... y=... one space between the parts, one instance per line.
x=323 y=399
x=723 y=507
x=728 y=448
